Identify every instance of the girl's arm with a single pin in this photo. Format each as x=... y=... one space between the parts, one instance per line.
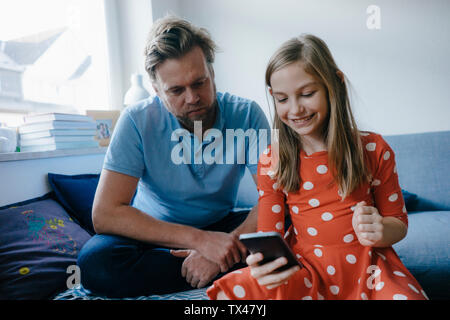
x=386 y=222
x=271 y=211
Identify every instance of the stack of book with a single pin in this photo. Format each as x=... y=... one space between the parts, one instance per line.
x=55 y=131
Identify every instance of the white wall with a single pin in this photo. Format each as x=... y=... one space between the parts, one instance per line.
x=400 y=73
x=26 y=179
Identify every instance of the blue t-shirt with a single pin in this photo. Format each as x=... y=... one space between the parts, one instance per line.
x=184 y=180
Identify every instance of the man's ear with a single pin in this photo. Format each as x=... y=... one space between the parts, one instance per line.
x=155 y=87
x=211 y=71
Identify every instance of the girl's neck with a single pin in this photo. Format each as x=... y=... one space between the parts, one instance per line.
x=313 y=144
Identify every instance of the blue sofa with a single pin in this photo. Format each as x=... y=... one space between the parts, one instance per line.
x=423 y=164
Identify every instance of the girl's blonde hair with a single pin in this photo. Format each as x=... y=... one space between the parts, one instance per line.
x=346 y=158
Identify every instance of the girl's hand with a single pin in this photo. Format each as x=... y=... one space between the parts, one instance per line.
x=266 y=274
x=368 y=224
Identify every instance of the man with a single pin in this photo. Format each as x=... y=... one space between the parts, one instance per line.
x=181 y=201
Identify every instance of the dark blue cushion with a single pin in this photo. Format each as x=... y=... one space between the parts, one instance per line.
x=410 y=200
x=425 y=251
x=38 y=242
x=76 y=194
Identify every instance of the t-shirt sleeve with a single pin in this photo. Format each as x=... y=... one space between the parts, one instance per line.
x=385 y=184
x=271 y=203
x=125 y=152
x=260 y=140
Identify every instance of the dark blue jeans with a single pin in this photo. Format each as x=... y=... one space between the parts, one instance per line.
x=116 y=266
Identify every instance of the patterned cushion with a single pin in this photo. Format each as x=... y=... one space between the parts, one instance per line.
x=38 y=242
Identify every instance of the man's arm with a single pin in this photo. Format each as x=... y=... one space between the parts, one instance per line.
x=112 y=214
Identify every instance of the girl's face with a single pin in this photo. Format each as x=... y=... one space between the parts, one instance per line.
x=300 y=100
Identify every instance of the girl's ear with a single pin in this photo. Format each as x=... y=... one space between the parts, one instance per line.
x=340 y=74
x=270 y=91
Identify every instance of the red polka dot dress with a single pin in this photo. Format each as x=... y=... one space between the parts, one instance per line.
x=336 y=265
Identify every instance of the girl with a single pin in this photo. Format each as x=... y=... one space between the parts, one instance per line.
x=339 y=186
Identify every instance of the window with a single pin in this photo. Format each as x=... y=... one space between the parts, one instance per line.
x=53 y=57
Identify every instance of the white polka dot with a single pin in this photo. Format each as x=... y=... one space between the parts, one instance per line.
x=371 y=146
x=413 y=288
x=307 y=298
x=312 y=231
x=393 y=197
x=239 y=291
x=237 y=271
x=404 y=209
x=364 y=296
x=334 y=290
x=327 y=216
x=295 y=209
x=350 y=259
x=318 y=252
x=424 y=294
x=395 y=169
x=379 y=286
x=386 y=155
x=308 y=283
x=376 y=182
x=322 y=169
x=261 y=193
x=266 y=151
x=399 y=296
x=331 y=270
x=308 y=185
x=320 y=297
x=295 y=231
x=271 y=174
x=279 y=225
x=364 y=134
x=348 y=238
x=399 y=273
x=314 y=203
x=382 y=256
x=275 y=186
x=298 y=256
x=276 y=208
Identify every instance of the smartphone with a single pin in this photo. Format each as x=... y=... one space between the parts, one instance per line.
x=272 y=246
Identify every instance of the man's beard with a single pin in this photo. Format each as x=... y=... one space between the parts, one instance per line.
x=207 y=119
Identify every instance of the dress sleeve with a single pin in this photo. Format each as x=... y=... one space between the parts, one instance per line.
x=271 y=203
x=385 y=185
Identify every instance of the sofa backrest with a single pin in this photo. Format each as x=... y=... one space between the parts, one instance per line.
x=423 y=165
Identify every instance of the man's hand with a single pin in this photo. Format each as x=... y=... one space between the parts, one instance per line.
x=222 y=248
x=368 y=224
x=197 y=270
x=266 y=274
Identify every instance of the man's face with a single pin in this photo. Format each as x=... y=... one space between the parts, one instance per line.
x=186 y=86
